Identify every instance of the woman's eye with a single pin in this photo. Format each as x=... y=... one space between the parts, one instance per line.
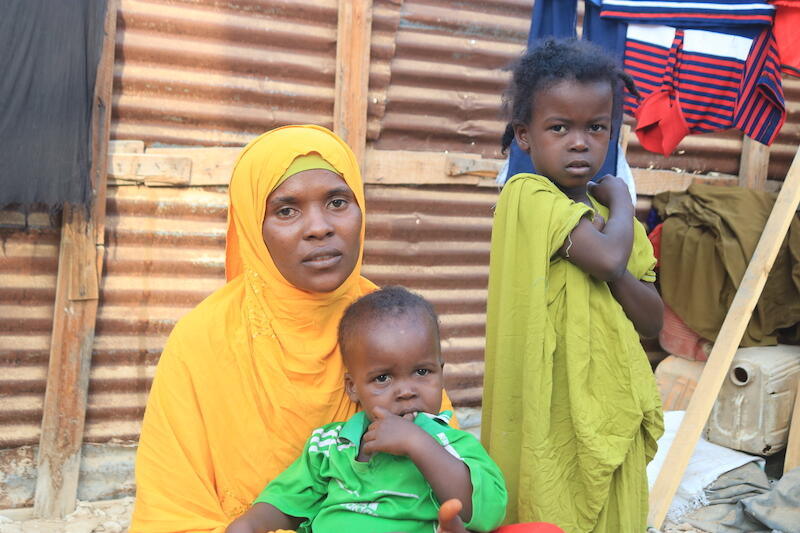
x=423 y=371
x=284 y=212
x=383 y=378
x=338 y=203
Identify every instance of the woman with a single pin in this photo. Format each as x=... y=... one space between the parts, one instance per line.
x=247 y=374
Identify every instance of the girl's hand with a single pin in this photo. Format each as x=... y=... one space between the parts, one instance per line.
x=449 y=521
x=390 y=433
x=610 y=189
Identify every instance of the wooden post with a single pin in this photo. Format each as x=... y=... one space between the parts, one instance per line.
x=352 y=74
x=730 y=334
x=754 y=164
x=792 y=459
x=77 y=289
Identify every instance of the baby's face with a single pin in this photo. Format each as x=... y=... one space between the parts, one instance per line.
x=396 y=364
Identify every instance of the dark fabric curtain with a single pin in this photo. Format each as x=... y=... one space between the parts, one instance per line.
x=49 y=54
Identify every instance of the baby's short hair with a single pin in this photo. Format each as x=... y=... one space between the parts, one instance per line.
x=388 y=302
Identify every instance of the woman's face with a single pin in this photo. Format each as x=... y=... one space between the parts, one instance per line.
x=312 y=230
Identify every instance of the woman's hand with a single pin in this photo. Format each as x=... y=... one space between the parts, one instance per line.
x=609 y=190
x=392 y=434
x=449 y=521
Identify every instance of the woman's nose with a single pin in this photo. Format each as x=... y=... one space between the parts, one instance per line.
x=317 y=224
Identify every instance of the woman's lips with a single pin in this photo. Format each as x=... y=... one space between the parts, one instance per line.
x=322 y=259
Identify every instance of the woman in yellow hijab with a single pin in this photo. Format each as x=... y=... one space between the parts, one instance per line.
x=248 y=374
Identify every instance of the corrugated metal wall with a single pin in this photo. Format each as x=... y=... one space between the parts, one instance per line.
x=28 y=266
x=165 y=253
x=212 y=73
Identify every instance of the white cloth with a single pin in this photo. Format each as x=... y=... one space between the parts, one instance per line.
x=708 y=462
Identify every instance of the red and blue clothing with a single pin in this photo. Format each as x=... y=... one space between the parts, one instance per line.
x=698 y=81
x=689 y=14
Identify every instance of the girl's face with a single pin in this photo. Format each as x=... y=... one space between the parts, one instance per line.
x=312 y=229
x=568 y=134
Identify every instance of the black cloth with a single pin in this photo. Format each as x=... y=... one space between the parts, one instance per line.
x=49 y=55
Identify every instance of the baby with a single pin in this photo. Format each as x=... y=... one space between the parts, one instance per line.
x=391 y=465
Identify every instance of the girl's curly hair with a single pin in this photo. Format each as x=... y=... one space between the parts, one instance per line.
x=554 y=60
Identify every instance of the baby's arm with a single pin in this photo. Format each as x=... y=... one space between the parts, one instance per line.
x=447 y=475
x=261 y=518
x=604 y=252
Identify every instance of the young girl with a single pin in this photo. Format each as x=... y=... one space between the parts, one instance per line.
x=571 y=412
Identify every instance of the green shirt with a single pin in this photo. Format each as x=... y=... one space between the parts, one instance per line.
x=334 y=492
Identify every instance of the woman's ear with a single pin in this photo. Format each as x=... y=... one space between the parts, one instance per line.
x=350 y=387
x=521 y=135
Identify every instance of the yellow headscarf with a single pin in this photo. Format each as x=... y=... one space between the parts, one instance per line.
x=247 y=374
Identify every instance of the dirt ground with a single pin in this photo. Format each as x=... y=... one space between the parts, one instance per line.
x=114 y=517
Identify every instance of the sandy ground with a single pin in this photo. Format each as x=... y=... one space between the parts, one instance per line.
x=114 y=517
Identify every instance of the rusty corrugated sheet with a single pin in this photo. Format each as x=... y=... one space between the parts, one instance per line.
x=202 y=72
x=165 y=253
x=28 y=267
x=447 y=74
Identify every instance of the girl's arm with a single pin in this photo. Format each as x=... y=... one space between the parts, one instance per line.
x=641 y=302
x=604 y=253
x=261 y=518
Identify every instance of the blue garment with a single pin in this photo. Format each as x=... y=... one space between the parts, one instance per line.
x=557 y=18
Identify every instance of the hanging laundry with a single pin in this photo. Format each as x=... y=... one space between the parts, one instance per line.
x=700 y=81
x=787 y=20
x=688 y=14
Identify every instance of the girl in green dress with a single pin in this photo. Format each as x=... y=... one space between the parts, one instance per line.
x=571 y=411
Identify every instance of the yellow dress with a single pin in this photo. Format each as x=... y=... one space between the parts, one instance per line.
x=571 y=412
x=247 y=374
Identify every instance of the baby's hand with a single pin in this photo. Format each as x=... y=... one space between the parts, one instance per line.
x=390 y=433
x=449 y=521
x=609 y=189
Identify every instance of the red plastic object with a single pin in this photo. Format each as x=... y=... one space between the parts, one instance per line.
x=529 y=527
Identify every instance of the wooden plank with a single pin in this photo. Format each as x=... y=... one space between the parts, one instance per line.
x=792 y=459
x=210 y=166
x=126 y=147
x=405 y=167
x=79 y=270
x=650 y=182
x=724 y=349
x=354 y=34
x=754 y=164
x=153 y=170
x=459 y=165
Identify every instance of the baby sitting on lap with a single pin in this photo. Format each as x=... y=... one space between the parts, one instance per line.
x=393 y=464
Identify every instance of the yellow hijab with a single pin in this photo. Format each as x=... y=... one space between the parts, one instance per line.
x=247 y=374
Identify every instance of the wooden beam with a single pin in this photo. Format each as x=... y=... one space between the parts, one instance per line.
x=792 y=459
x=354 y=35
x=724 y=349
x=77 y=288
x=650 y=182
x=151 y=169
x=754 y=164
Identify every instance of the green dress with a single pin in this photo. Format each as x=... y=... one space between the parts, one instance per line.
x=571 y=412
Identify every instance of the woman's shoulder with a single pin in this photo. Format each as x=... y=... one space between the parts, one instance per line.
x=221 y=307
